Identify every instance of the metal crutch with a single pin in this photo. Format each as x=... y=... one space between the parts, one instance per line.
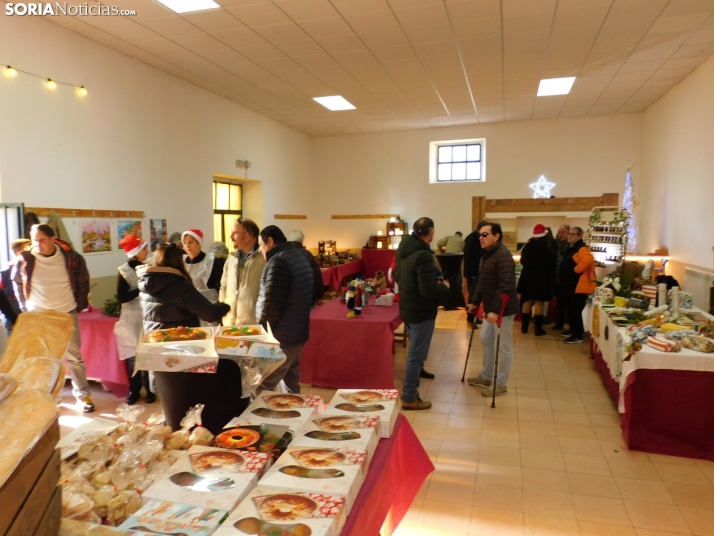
x=504 y=302
x=473 y=328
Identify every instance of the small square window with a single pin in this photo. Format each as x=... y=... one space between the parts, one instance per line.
x=457 y=161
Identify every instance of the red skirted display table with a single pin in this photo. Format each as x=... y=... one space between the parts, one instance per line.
x=332 y=276
x=350 y=353
x=666 y=399
x=398 y=469
x=100 y=354
x=376 y=259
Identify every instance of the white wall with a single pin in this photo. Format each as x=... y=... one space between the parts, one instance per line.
x=389 y=172
x=677 y=188
x=141 y=140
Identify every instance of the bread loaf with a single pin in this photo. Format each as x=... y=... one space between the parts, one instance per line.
x=45 y=334
x=7 y=385
x=37 y=373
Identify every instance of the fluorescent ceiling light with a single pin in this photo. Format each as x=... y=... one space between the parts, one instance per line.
x=189 y=6
x=335 y=103
x=555 y=86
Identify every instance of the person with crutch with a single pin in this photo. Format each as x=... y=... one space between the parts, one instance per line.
x=497 y=276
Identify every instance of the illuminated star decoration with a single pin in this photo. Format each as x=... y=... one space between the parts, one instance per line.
x=541 y=188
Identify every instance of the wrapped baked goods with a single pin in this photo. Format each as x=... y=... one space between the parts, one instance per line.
x=7 y=385
x=699 y=344
x=72 y=527
x=678 y=335
x=199 y=435
x=77 y=506
x=38 y=373
x=45 y=334
x=24 y=417
x=707 y=331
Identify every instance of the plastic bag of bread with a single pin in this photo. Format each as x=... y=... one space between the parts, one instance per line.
x=36 y=335
x=72 y=527
x=38 y=373
x=699 y=344
x=76 y=505
x=129 y=413
x=122 y=506
x=24 y=417
x=7 y=385
x=199 y=435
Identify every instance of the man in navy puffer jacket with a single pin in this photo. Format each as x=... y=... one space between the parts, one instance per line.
x=285 y=300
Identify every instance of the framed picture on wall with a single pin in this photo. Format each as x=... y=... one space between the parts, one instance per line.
x=159 y=232
x=128 y=227
x=96 y=236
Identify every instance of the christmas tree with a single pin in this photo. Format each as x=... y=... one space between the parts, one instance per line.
x=629 y=203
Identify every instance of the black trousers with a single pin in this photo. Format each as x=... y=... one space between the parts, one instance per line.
x=575 y=312
x=138 y=379
x=561 y=300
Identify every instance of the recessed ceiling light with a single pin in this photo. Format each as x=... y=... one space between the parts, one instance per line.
x=555 y=86
x=335 y=103
x=189 y=6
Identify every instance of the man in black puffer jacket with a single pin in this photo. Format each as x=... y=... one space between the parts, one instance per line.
x=419 y=298
x=285 y=300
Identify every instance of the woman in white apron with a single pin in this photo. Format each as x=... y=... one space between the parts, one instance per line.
x=204 y=272
x=129 y=328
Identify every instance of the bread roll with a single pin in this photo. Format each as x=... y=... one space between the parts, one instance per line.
x=24 y=417
x=45 y=334
x=37 y=373
x=7 y=385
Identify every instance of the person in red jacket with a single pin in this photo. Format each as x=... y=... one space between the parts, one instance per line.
x=53 y=277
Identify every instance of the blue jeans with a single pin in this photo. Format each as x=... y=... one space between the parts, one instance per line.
x=420 y=336
x=505 y=354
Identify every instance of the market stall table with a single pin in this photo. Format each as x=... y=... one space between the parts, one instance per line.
x=350 y=353
x=666 y=399
x=100 y=354
x=332 y=276
x=398 y=469
x=376 y=259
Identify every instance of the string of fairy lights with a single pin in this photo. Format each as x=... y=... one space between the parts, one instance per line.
x=51 y=84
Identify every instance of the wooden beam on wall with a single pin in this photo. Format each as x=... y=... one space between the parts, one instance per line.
x=363 y=216
x=86 y=213
x=289 y=216
x=478 y=210
x=556 y=204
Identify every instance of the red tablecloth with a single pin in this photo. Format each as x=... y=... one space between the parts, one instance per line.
x=350 y=353
x=376 y=259
x=333 y=275
x=99 y=352
x=398 y=469
x=666 y=411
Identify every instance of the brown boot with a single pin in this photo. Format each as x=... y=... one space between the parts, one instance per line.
x=416 y=404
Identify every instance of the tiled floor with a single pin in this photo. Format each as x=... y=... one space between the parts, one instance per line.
x=549 y=460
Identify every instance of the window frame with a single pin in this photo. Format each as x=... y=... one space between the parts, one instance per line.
x=238 y=213
x=434 y=147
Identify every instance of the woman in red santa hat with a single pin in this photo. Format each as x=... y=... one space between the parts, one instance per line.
x=129 y=328
x=536 y=282
x=205 y=273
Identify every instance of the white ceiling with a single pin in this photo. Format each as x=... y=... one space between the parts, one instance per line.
x=418 y=63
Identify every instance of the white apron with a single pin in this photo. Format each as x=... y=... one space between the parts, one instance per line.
x=130 y=327
x=200 y=272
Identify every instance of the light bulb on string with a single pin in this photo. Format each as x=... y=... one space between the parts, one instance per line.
x=51 y=84
x=82 y=91
x=10 y=72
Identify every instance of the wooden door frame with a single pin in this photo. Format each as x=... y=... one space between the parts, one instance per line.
x=480 y=206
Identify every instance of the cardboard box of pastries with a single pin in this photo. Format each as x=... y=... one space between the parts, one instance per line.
x=380 y=402
x=288 y=513
x=321 y=470
x=354 y=431
x=210 y=477
x=177 y=350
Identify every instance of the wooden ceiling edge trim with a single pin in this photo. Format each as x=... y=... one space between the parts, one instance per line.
x=289 y=216
x=363 y=216
x=86 y=213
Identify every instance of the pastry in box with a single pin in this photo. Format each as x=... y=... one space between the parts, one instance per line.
x=210 y=477
x=269 y=439
x=320 y=470
x=270 y=511
x=284 y=409
x=177 y=350
x=379 y=402
x=356 y=432
x=252 y=341
x=167 y=517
